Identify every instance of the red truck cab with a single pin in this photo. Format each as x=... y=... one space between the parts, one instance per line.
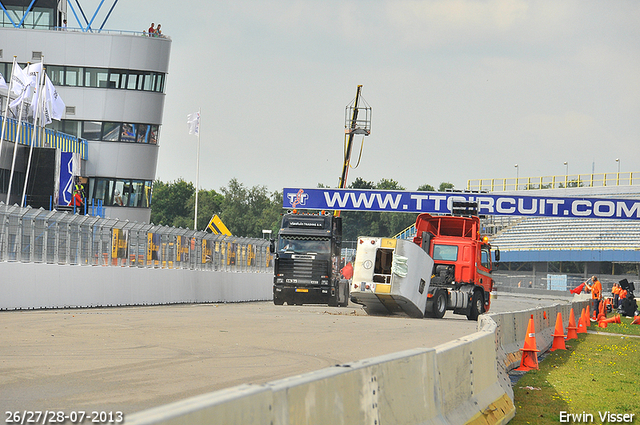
x=462 y=260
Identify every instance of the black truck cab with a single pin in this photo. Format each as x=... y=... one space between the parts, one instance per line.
x=307 y=260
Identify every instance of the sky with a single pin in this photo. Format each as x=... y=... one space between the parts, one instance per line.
x=459 y=89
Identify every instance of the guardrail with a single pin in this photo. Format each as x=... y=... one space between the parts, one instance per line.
x=464 y=381
x=554 y=182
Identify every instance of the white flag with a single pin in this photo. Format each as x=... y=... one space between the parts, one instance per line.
x=20 y=84
x=33 y=73
x=53 y=102
x=193 y=120
x=3 y=83
x=46 y=107
x=24 y=82
x=19 y=78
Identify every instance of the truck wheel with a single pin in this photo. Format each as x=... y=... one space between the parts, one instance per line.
x=439 y=304
x=477 y=306
x=278 y=301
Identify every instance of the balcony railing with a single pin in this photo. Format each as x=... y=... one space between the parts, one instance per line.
x=554 y=182
x=44 y=138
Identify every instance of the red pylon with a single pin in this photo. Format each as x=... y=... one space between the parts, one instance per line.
x=604 y=322
x=582 y=328
x=572 y=328
x=602 y=312
x=558 y=335
x=636 y=320
x=529 y=357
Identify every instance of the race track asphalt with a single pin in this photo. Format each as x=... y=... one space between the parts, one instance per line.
x=133 y=358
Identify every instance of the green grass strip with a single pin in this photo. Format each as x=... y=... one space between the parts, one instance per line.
x=595 y=377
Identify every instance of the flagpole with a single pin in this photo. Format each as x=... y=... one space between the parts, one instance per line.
x=6 y=108
x=195 y=219
x=15 y=145
x=40 y=93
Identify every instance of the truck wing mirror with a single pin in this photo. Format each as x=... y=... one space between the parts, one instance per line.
x=497 y=253
x=272 y=246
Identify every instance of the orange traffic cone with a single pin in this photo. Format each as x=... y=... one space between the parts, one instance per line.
x=604 y=322
x=636 y=320
x=582 y=328
x=558 y=335
x=601 y=311
x=572 y=328
x=529 y=357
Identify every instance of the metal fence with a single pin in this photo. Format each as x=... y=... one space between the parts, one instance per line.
x=53 y=237
x=554 y=182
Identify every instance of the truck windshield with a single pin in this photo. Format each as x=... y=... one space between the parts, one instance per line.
x=445 y=252
x=304 y=246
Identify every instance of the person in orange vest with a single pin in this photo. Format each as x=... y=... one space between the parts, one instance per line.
x=615 y=291
x=347 y=271
x=621 y=296
x=78 y=196
x=596 y=292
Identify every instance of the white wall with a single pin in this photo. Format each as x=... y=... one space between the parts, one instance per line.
x=31 y=286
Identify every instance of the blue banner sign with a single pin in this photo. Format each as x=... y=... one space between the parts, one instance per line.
x=66 y=178
x=440 y=203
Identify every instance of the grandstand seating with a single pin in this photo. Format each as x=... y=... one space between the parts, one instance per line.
x=550 y=234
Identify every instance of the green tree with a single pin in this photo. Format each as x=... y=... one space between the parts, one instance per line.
x=389 y=184
x=444 y=186
x=359 y=183
x=209 y=204
x=426 y=188
x=170 y=202
x=247 y=211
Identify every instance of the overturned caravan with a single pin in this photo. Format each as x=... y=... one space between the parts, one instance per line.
x=447 y=266
x=391 y=276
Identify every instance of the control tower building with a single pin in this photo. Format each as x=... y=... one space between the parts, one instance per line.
x=113 y=86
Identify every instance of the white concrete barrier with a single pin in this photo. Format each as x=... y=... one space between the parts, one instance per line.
x=471 y=388
x=244 y=404
x=33 y=285
x=399 y=388
x=454 y=383
x=463 y=381
x=512 y=329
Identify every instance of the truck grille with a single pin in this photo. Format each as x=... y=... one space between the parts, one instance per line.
x=302 y=270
